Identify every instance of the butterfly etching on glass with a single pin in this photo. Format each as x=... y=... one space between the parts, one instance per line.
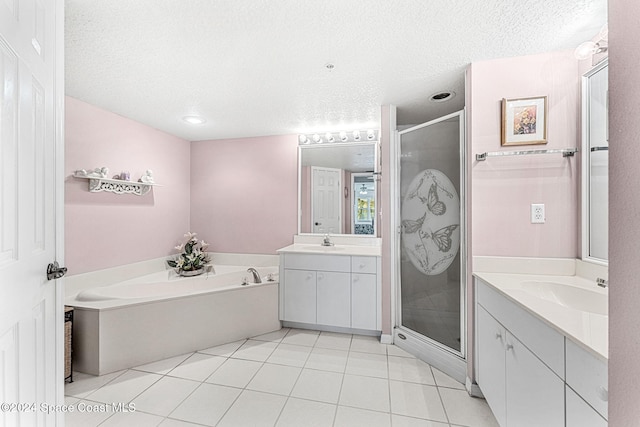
x=441 y=237
x=411 y=226
x=433 y=202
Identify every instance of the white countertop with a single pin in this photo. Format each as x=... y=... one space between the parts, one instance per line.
x=589 y=330
x=338 y=249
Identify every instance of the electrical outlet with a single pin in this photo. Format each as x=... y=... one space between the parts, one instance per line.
x=537 y=213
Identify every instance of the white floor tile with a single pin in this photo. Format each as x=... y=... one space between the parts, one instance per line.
x=412 y=370
x=368 y=364
x=163 y=366
x=394 y=350
x=299 y=413
x=235 y=373
x=352 y=417
x=402 y=421
x=278 y=379
x=255 y=350
x=224 y=350
x=291 y=355
x=444 y=380
x=365 y=393
x=466 y=410
x=301 y=337
x=254 y=409
x=275 y=336
x=198 y=367
x=128 y=419
x=125 y=387
x=168 y=422
x=416 y=400
x=326 y=359
x=85 y=384
x=367 y=344
x=334 y=340
x=84 y=418
x=322 y=386
x=165 y=395
x=206 y=405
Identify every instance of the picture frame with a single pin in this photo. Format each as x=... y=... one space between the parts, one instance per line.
x=524 y=121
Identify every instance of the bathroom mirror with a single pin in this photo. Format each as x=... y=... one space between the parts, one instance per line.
x=337 y=188
x=595 y=165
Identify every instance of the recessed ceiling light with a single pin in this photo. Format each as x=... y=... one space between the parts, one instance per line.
x=442 y=96
x=329 y=66
x=194 y=120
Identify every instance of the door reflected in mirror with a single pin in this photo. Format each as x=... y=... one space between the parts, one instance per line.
x=337 y=189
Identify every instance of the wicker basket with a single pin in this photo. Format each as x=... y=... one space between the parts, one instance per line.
x=68 y=329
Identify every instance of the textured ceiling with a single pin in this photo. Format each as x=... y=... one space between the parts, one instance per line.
x=257 y=67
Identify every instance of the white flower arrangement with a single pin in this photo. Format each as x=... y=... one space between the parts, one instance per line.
x=193 y=256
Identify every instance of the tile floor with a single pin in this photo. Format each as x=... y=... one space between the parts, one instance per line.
x=290 y=377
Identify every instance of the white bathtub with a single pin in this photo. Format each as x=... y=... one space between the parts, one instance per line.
x=158 y=315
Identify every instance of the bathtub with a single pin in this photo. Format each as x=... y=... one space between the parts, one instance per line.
x=161 y=315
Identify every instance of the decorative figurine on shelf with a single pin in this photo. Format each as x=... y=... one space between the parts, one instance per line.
x=125 y=176
x=102 y=172
x=147 y=178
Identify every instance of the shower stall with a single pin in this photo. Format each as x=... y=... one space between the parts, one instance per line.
x=430 y=245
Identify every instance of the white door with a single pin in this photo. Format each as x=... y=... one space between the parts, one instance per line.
x=31 y=312
x=326 y=201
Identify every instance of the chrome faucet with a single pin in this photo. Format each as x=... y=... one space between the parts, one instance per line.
x=601 y=282
x=327 y=241
x=256 y=275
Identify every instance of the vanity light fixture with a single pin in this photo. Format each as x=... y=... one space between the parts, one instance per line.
x=363 y=190
x=599 y=44
x=338 y=137
x=194 y=120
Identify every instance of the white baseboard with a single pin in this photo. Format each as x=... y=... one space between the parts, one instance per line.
x=386 y=339
x=473 y=389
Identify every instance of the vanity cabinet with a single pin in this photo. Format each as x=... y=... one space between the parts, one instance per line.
x=531 y=374
x=338 y=291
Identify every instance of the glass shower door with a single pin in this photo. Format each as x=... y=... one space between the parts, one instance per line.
x=431 y=264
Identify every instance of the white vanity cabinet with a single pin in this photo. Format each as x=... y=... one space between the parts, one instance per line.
x=339 y=291
x=530 y=373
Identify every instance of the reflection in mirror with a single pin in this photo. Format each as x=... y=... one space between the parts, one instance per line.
x=595 y=218
x=337 y=191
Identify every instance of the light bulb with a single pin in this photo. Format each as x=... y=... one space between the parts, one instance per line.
x=356 y=135
x=302 y=139
x=316 y=138
x=329 y=137
x=194 y=120
x=585 y=50
x=343 y=136
x=370 y=134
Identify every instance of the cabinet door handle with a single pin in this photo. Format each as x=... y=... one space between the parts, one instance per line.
x=309 y=276
x=362 y=266
x=356 y=278
x=320 y=276
x=603 y=394
x=509 y=347
x=499 y=335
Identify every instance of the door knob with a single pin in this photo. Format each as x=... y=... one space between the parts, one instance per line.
x=54 y=271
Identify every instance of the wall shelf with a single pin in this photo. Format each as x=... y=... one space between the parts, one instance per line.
x=117 y=186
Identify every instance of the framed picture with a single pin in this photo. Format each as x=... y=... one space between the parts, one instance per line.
x=524 y=121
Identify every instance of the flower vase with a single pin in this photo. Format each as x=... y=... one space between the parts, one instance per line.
x=191 y=273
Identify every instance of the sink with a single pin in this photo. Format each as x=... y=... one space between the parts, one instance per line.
x=320 y=248
x=569 y=296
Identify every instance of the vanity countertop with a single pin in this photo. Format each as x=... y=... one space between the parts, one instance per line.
x=338 y=249
x=578 y=313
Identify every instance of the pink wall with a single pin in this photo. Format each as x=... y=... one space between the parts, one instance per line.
x=624 y=217
x=244 y=194
x=504 y=188
x=103 y=230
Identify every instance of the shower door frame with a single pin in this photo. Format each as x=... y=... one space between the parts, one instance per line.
x=446 y=359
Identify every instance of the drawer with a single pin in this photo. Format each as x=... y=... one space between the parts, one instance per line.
x=588 y=376
x=544 y=341
x=579 y=414
x=364 y=264
x=339 y=263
